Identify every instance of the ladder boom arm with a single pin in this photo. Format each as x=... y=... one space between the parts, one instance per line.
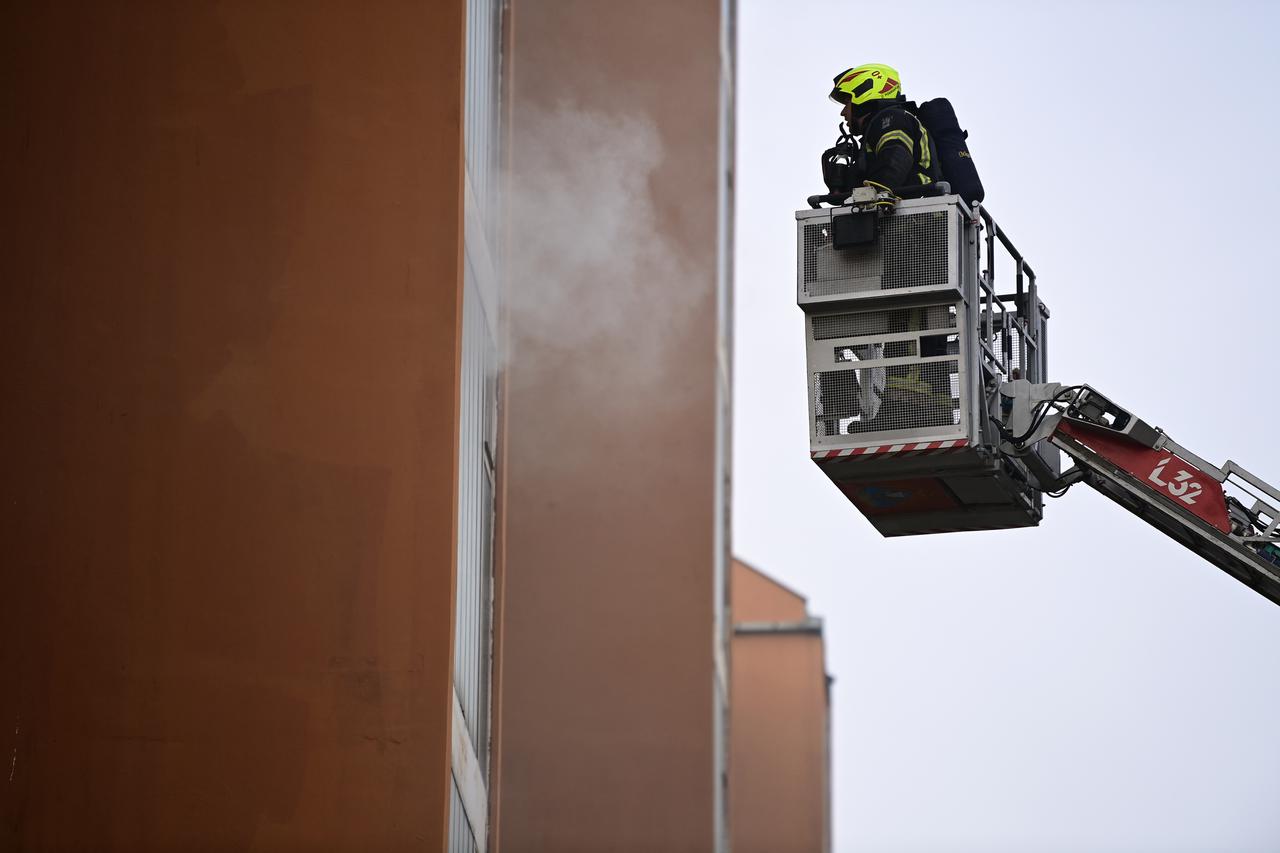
x=1225 y=514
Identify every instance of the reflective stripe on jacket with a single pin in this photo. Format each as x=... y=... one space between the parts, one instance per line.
x=899 y=150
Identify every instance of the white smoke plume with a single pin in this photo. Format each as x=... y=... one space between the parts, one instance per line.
x=594 y=282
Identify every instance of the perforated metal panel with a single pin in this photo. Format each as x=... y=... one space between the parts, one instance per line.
x=914 y=250
x=854 y=324
x=1006 y=344
x=913 y=397
x=890 y=375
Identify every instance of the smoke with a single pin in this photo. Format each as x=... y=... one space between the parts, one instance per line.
x=598 y=291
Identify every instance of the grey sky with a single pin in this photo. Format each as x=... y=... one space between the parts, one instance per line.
x=1087 y=685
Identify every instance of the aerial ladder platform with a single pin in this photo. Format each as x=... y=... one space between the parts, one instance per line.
x=929 y=401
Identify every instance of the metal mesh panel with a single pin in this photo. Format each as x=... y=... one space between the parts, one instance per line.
x=1006 y=341
x=1008 y=345
x=827 y=326
x=908 y=397
x=911 y=252
x=892 y=349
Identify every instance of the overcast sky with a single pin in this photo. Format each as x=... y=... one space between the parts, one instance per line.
x=1087 y=685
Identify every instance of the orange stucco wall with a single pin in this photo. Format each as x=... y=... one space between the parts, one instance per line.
x=229 y=359
x=606 y=712
x=759 y=598
x=779 y=764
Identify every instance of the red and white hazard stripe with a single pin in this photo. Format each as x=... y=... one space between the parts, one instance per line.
x=921 y=448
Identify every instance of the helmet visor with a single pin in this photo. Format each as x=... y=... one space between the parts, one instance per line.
x=842 y=96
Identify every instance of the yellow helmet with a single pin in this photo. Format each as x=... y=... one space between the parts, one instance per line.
x=867 y=83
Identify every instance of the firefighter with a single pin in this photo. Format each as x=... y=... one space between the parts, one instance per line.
x=919 y=394
x=897 y=145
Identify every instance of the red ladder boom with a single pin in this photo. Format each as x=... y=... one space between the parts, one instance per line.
x=1224 y=514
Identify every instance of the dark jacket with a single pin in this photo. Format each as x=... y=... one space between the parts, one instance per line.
x=898 y=148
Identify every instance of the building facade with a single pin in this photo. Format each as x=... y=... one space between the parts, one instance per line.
x=233 y=323
x=781 y=735
x=611 y=692
x=367 y=377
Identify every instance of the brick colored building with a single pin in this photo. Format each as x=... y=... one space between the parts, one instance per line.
x=366 y=393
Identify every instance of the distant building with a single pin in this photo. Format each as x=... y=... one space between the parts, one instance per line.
x=780 y=753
